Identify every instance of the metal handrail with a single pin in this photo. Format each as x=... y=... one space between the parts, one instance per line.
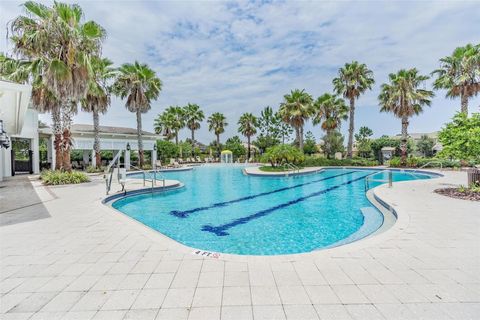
x=292 y=167
x=430 y=162
x=369 y=179
x=109 y=171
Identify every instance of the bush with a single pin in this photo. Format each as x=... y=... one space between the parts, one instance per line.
x=324 y=162
x=57 y=177
x=461 y=138
x=92 y=169
x=414 y=162
x=283 y=153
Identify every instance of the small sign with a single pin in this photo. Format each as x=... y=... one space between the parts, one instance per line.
x=214 y=255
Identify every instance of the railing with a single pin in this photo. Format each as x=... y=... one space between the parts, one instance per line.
x=109 y=171
x=291 y=167
x=153 y=180
x=369 y=179
x=430 y=162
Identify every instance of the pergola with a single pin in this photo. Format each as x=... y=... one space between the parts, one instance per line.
x=116 y=139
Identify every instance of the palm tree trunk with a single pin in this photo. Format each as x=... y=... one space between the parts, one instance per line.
x=403 y=145
x=139 y=138
x=193 y=142
x=327 y=144
x=96 y=138
x=67 y=118
x=464 y=103
x=57 y=132
x=300 y=138
x=176 y=138
x=248 y=142
x=218 y=145
x=351 y=128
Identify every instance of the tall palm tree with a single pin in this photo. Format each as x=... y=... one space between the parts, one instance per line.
x=403 y=97
x=163 y=124
x=248 y=124
x=330 y=111
x=97 y=99
x=193 y=117
x=296 y=108
x=139 y=84
x=353 y=79
x=61 y=47
x=460 y=74
x=217 y=123
x=178 y=120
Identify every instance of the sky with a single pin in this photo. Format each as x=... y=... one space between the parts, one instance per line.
x=235 y=57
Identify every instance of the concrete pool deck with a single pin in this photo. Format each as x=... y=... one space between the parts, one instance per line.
x=65 y=255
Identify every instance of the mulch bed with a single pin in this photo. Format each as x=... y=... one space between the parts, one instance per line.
x=454 y=193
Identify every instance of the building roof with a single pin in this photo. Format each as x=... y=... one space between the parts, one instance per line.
x=417 y=136
x=88 y=128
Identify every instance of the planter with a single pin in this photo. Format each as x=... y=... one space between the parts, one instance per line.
x=473 y=176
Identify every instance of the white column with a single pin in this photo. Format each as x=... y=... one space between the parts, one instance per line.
x=127 y=159
x=154 y=158
x=51 y=152
x=86 y=158
x=94 y=159
x=35 y=154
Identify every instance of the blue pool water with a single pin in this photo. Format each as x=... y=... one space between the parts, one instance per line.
x=222 y=210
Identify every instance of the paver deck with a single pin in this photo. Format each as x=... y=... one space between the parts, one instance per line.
x=65 y=255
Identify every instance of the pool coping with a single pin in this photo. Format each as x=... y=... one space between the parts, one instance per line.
x=401 y=222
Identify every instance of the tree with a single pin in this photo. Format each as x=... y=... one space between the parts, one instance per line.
x=310 y=146
x=193 y=117
x=139 y=84
x=353 y=80
x=97 y=99
x=459 y=74
x=364 y=142
x=283 y=153
x=403 y=97
x=60 y=47
x=460 y=138
x=248 y=124
x=296 y=108
x=333 y=143
x=178 y=120
x=425 y=145
x=217 y=123
x=235 y=145
x=166 y=150
x=164 y=124
x=329 y=112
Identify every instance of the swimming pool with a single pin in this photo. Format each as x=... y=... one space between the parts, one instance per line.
x=222 y=210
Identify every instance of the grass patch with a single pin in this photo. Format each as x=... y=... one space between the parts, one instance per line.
x=276 y=169
x=57 y=177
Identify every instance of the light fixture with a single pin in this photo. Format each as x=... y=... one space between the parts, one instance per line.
x=4 y=139
x=128 y=146
x=155 y=146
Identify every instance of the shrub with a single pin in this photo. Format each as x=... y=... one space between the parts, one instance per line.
x=283 y=153
x=461 y=138
x=324 y=162
x=414 y=162
x=92 y=169
x=57 y=177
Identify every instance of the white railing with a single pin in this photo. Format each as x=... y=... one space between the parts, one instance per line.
x=109 y=171
x=292 y=167
x=369 y=179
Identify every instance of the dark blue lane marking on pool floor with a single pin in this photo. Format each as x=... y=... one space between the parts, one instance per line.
x=186 y=213
x=221 y=230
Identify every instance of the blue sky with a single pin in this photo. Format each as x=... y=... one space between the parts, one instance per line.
x=235 y=57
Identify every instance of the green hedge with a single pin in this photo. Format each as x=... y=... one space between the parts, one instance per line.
x=414 y=162
x=57 y=177
x=324 y=162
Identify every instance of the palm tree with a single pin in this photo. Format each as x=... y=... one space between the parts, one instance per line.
x=178 y=120
x=460 y=74
x=98 y=98
x=217 y=123
x=61 y=47
x=193 y=117
x=163 y=124
x=248 y=124
x=139 y=84
x=353 y=80
x=330 y=111
x=295 y=110
x=403 y=97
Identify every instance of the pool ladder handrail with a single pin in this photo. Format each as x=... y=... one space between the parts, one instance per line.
x=108 y=173
x=369 y=179
x=292 y=167
x=430 y=162
x=153 y=180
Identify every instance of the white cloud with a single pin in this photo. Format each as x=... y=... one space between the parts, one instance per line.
x=237 y=57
